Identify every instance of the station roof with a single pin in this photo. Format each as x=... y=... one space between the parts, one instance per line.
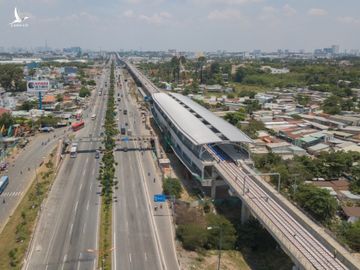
x=192 y=127
x=230 y=132
x=189 y=119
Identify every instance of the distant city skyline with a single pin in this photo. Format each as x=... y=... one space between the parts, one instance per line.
x=187 y=25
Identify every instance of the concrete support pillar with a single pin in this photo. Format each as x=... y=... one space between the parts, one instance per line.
x=213 y=189
x=214 y=173
x=245 y=213
x=157 y=147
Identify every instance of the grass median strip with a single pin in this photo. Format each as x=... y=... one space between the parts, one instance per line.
x=106 y=177
x=16 y=236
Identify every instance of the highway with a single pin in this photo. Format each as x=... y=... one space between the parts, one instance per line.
x=29 y=157
x=66 y=236
x=143 y=239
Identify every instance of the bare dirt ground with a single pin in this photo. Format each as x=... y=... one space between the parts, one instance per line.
x=230 y=260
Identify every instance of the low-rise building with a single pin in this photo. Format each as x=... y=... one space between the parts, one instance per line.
x=352 y=213
x=318 y=148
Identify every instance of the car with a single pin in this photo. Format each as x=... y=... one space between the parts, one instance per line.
x=46 y=129
x=97 y=154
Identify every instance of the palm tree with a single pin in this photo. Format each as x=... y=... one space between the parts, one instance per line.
x=182 y=70
x=175 y=67
x=200 y=64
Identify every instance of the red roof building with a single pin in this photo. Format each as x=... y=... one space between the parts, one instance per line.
x=3 y=110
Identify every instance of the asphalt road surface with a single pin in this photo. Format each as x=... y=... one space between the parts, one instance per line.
x=68 y=226
x=143 y=238
x=18 y=171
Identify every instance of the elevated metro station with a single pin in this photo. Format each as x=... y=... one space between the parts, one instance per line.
x=188 y=127
x=215 y=152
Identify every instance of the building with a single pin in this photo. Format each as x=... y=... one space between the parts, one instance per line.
x=187 y=127
x=3 y=111
x=70 y=70
x=352 y=213
x=346 y=119
x=318 y=148
x=275 y=70
x=49 y=102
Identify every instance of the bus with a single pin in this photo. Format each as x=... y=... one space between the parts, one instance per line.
x=4 y=181
x=77 y=125
x=73 y=150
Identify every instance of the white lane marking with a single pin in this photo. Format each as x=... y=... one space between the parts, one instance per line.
x=130 y=257
x=79 y=262
x=97 y=231
x=76 y=205
x=114 y=235
x=80 y=186
x=64 y=260
x=145 y=256
x=87 y=206
x=71 y=228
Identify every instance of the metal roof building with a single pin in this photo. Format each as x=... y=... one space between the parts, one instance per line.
x=192 y=127
x=197 y=123
x=228 y=132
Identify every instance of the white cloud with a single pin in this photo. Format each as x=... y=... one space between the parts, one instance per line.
x=136 y=2
x=129 y=13
x=348 y=19
x=75 y=17
x=268 y=14
x=157 y=18
x=317 y=12
x=288 y=10
x=226 y=14
x=226 y=2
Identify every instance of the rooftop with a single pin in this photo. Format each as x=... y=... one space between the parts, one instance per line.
x=351 y=211
x=192 y=127
x=213 y=122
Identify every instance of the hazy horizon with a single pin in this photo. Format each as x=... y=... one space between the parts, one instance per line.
x=187 y=25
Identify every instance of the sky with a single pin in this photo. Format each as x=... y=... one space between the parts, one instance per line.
x=191 y=25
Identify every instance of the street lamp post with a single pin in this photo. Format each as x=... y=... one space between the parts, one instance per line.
x=295 y=175
x=265 y=174
x=275 y=174
x=220 y=243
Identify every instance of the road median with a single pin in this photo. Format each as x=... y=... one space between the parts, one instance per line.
x=106 y=178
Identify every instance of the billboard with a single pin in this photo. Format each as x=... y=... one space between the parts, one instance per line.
x=38 y=86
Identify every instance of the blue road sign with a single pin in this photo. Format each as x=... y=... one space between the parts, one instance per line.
x=159 y=198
